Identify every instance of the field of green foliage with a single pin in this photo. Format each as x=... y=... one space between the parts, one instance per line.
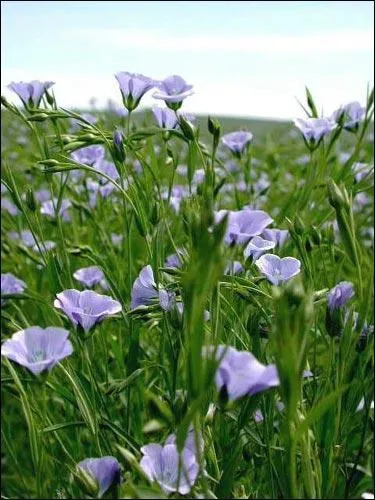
x=187 y=302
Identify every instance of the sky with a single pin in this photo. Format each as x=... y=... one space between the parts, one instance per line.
x=250 y=59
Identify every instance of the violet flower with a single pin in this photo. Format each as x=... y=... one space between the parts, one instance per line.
x=244 y=224
x=9 y=206
x=173 y=90
x=30 y=93
x=38 y=349
x=105 y=471
x=240 y=373
x=90 y=276
x=234 y=267
x=78 y=125
x=26 y=237
x=108 y=168
x=88 y=155
x=174 y=260
x=237 y=141
x=119 y=111
x=258 y=415
x=352 y=114
x=116 y=238
x=314 y=129
x=278 y=236
x=257 y=246
x=162 y=464
x=189 y=441
x=166 y=299
x=11 y=285
x=86 y=308
x=362 y=171
x=144 y=288
x=165 y=117
x=278 y=270
x=133 y=87
x=48 y=208
x=339 y=295
x=144 y=291
x=45 y=246
x=42 y=195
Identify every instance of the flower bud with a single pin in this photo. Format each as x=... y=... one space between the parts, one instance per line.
x=316 y=236
x=310 y=103
x=214 y=128
x=154 y=217
x=31 y=202
x=338 y=197
x=4 y=102
x=308 y=244
x=118 y=143
x=139 y=224
x=187 y=128
x=50 y=98
x=298 y=226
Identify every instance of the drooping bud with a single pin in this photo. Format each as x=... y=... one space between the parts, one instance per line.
x=214 y=128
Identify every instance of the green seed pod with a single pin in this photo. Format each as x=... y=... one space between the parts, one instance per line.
x=49 y=162
x=89 y=137
x=72 y=146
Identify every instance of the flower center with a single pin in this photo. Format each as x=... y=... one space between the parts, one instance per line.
x=37 y=356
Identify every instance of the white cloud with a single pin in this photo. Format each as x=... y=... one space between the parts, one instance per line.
x=336 y=41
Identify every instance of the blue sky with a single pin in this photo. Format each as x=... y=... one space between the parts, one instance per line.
x=243 y=58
